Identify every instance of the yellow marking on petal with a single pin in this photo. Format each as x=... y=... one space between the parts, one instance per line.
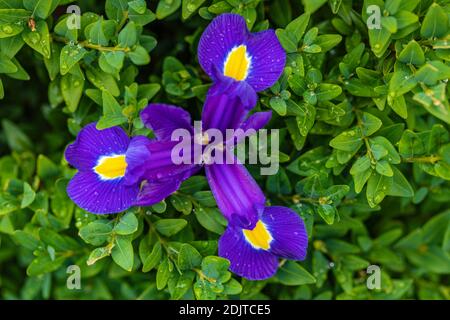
x=259 y=237
x=112 y=167
x=237 y=63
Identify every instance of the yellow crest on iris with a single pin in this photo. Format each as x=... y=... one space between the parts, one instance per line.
x=111 y=167
x=237 y=63
x=259 y=237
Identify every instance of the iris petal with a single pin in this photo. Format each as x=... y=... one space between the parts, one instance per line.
x=237 y=194
x=163 y=119
x=245 y=260
x=224 y=33
x=91 y=144
x=290 y=239
x=92 y=194
x=228 y=47
x=268 y=59
x=222 y=111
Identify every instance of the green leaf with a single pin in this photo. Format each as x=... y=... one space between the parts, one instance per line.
x=216 y=268
x=16 y=139
x=288 y=40
x=103 y=81
x=189 y=7
x=153 y=258
x=46 y=169
x=389 y=23
x=432 y=72
x=96 y=232
x=122 y=253
x=435 y=23
x=412 y=54
x=378 y=187
x=39 y=39
x=8 y=204
x=188 y=257
x=169 y=227
x=292 y=274
x=112 y=112
x=279 y=105
x=183 y=285
x=111 y=62
x=72 y=90
x=279 y=183
x=26 y=240
x=138 y=5
x=327 y=92
x=139 y=56
x=128 y=35
x=95 y=33
x=392 y=6
x=206 y=220
x=327 y=212
x=313 y=5
x=383 y=167
x=148 y=91
x=232 y=287
x=370 y=124
x=399 y=106
x=163 y=273
x=44 y=264
x=166 y=8
x=6 y=65
x=400 y=186
x=350 y=140
x=10 y=46
x=28 y=195
x=297 y=27
x=38 y=8
x=205 y=198
x=70 y=55
x=128 y=224
x=8 y=30
x=379 y=41
x=141 y=19
x=97 y=254
x=360 y=165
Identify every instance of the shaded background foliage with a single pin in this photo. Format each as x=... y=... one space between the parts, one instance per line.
x=363 y=116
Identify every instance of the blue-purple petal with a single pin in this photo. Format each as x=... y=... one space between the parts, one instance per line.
x=241 y=89
x=288 y=231
x=222 y=110
x=257 y=121
x=245 y=260
x=222 y=34
x=163 y=119
x=268 y=59
x=237 y=194
x=98 y=196
x=137 y=155
x=91 y=144
x=155 y=191
x=161 y=163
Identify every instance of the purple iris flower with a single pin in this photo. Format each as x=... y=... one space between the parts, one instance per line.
x=253 y=254
x=237 y=194
x=109 y=173
x=240 y=60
